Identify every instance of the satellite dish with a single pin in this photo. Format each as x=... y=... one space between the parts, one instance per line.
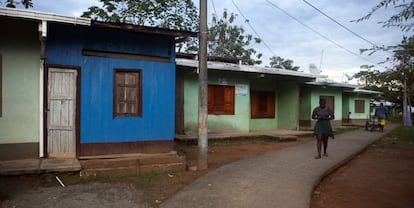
x=313 y=69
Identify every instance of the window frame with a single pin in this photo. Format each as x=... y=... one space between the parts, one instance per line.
x=226 y=106
x=359 y=104
x=258 y=97
x=138 y=113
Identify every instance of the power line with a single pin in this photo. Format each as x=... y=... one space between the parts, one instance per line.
x=251 y=27
x=214 y=7
x=343 y=26
x=323 y=36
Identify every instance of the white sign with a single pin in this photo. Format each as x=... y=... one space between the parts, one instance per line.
x=241 y=90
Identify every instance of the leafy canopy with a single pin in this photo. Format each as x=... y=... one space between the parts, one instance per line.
x=172 y=14
x=230 y=41
x=401 y=19
x=13 y=4
x=279 y=62
x=390 y=82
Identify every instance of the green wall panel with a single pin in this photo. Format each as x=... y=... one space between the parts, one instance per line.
x=351 y=105
x=20 y=48
x=305 y=104
x=217 y=123
x=288 y=105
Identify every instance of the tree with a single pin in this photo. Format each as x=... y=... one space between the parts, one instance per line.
x=172 y=14
x=390 y=82
x=229 y=41
x=279 y=62
x=367 y=75
x=12 y=3
x=400 y=19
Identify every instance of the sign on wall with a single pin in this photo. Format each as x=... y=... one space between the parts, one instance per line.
x=241 y=90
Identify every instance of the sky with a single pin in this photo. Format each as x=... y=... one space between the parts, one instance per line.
x=322 y=42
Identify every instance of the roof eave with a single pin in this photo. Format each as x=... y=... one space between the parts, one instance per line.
x=180 y=35
x=243 y=68
x=42 y=16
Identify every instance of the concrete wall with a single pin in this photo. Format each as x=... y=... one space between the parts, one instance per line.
x=349 y=106
x=305 y=104
x=288 y=105
x=20 y=49
x=217 y=123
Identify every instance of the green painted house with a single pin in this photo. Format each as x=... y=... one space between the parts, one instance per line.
x=240 y=98
x=22 y=44
x=349 y=103
x=356 y=105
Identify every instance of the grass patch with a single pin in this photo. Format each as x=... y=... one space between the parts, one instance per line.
x=403 y=133
x=344 y=130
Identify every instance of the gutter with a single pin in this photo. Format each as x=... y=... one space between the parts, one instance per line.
x=42 y=16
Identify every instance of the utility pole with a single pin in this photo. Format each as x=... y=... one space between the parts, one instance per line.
x=202 y=90
x=405 y=116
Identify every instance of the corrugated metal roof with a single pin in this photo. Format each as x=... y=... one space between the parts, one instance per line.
x=144 y=29
x=331 y=84
x=244 y=68
x=42 y=16
x=363 y=91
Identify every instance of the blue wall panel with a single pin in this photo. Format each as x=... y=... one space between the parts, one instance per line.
x=64 y=47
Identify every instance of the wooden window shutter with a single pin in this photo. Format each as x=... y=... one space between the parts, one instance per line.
x=262 y=104
x=221 y=100
x=254 y=97
x=127 y=93
x=270 y=105
x=229 y=100
x=359 y=106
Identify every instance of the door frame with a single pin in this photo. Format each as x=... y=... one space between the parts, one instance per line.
x=45 y=105
x=329 y=97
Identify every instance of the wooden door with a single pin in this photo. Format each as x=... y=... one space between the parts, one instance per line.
x=61 y=113
x=330 y=102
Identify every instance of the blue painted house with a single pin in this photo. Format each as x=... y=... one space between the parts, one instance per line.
x=109 y=89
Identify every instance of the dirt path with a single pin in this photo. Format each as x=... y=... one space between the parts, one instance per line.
x=101 y=192
x=93 y=195
x=380 y=177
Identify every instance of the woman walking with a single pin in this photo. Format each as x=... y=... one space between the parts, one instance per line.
x=323 y=130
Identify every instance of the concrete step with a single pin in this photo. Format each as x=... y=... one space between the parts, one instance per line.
x=133 y=166
x=37 y=166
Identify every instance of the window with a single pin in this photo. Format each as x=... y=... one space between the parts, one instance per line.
x=127 y=93
x=359 y=106
x=262 y=104
x=221 y=100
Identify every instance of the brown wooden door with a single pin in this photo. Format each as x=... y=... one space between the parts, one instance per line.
x=330 y=102
x=61 y=113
